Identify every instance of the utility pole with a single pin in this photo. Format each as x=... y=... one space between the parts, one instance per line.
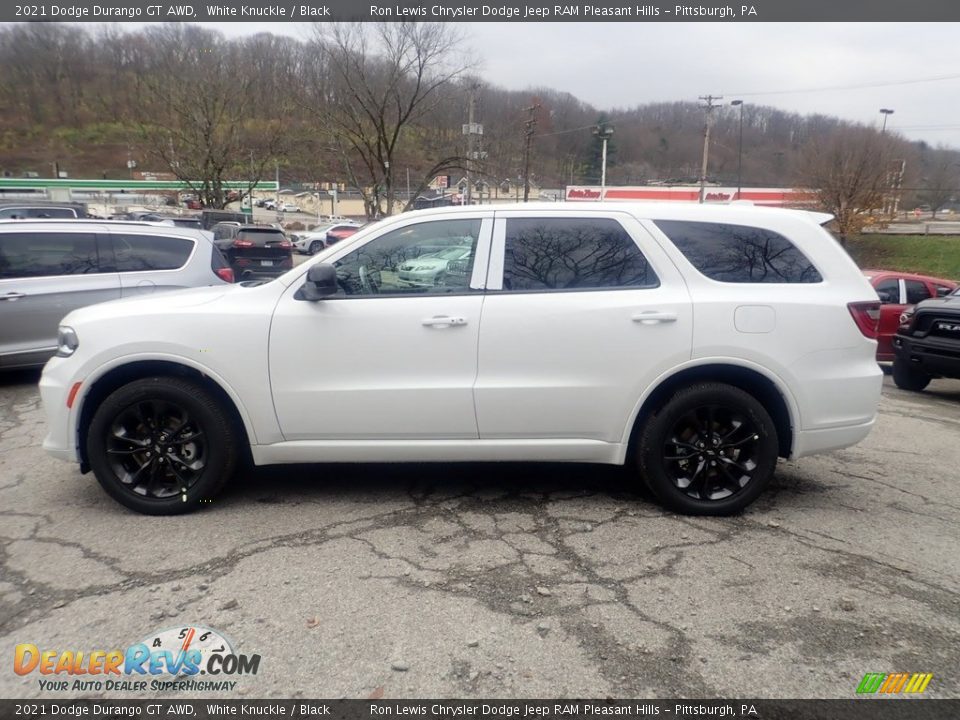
x=709 y=107
x=530 y=128
x=471 y=129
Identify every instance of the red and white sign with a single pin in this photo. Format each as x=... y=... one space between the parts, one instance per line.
x=775 y=197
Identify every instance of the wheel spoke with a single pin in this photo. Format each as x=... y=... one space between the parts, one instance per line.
x=739 y=443
x=181 y=440
x=734 y=483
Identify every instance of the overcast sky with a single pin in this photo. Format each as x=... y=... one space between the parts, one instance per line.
x=785 y=65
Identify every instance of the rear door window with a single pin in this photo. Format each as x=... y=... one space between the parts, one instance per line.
x=916 y=291
x=134 y=253
x=24 y=255
x=739 y=253
x=546 y=254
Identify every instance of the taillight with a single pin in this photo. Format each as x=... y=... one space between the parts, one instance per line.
x=243 y=243
x=866 y=315
x=225 y=274
x=286 y=245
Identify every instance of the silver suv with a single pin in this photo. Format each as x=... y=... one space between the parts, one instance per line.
x=50 y=267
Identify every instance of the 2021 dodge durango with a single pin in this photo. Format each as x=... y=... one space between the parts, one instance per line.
x=696 y=344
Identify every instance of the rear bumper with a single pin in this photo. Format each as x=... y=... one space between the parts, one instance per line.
x=814 y=442
x=930 y=355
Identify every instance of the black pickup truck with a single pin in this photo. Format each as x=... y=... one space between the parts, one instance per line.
x=927 y=345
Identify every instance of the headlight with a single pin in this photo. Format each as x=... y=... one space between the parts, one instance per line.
x=905 y=317
x=67 y=341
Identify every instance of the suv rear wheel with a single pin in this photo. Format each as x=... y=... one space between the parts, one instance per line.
x=709 y=450
x=315 y=247
x=161 y=445
x=907 y=378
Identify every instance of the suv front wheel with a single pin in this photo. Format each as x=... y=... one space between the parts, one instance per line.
x=161 y=445
x=907 y=378
x=709 y=450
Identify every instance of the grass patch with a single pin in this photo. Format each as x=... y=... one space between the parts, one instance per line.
x=937 y=255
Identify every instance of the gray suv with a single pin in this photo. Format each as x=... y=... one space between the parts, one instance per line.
x=50 y=267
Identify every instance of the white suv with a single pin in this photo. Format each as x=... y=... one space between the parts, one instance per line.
x=696 y=343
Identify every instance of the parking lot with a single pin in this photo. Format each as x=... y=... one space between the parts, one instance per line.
x=507 y=580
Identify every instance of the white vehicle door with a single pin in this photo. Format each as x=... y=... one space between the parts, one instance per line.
x=386 y=358
x=583 y=311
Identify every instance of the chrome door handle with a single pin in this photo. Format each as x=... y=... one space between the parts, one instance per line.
x=13 y=296
x=651 y=317
x=443 y=321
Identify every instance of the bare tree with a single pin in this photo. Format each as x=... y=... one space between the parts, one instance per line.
x=370 y=88
x=196 y=112
x=940 y=181
x=849 y=171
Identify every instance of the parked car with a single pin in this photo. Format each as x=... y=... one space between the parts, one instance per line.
x=897 y=292
x=48 y=268
x=927 y=344
x=255 y=252
x=430 y=270
x=289 y=207
x=336 y=234
x=312 y=242
x=695 y=343
x=33 y=209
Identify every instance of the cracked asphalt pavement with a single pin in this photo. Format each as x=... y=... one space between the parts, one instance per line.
x=506 y=580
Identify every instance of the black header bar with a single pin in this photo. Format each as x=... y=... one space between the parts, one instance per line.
x=480 y=11
x=874 y=708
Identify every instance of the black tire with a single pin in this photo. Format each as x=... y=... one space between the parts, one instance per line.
x=315 y=247
x=162 y=445
x=689 y=472
x=908 y=378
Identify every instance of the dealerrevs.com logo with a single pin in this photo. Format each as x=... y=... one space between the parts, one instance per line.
x=192 y=658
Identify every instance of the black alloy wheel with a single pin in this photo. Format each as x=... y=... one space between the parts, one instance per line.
x=161 y=445
x=710 y=450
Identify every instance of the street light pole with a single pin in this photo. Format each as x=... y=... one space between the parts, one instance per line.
x=603 y=131
x=739 y=103
x=886 y=113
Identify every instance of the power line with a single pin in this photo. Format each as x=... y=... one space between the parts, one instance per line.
x=827 y=88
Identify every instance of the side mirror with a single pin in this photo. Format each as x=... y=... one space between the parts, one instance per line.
x=321 y=282
x=943 y=291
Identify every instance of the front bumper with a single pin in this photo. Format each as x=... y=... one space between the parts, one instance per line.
x=931 y=355
x=55 y=384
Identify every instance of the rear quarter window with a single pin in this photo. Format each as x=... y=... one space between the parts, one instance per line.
x=739 y=253
x=150 y=252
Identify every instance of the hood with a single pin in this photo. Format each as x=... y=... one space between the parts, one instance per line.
x=152 y=303
x=950 y=302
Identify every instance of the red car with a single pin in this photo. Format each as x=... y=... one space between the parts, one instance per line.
x=898 y=291
x=335 y=236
